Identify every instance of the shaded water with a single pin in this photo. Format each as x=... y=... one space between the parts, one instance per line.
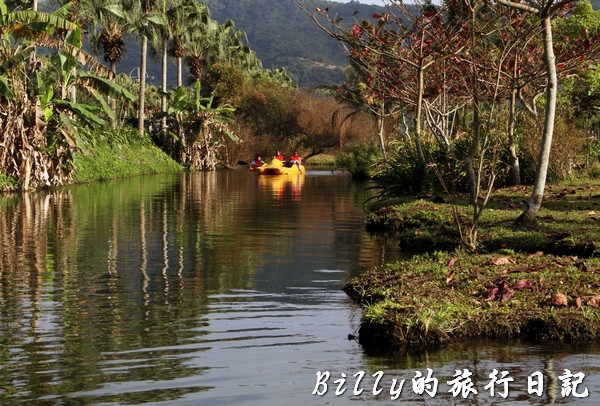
x=216 y=288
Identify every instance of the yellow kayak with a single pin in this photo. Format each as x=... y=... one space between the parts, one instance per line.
x=276 y=167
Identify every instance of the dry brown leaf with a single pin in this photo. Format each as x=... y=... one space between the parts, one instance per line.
x=502 y=261
x=559 y=300
x=450 y=276
x=522 y=284
x=507 y=294
x=578 y=302
x=536 y=254
x=594 y=301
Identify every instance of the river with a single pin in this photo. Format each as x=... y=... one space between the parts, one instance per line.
x=225 y=288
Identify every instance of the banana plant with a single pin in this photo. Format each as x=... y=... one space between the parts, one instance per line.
x=201 y=127
x=38 y=126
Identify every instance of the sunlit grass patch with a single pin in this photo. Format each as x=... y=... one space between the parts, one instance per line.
x=8 y=183
x=432 y=299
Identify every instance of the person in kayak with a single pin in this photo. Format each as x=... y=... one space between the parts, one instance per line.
x=258 y=161
x=295 y=159
x=280 y=156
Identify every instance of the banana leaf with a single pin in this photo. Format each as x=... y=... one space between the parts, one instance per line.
x=85 y=111
x=107 y=87
x=16 y=59
x=5 y=89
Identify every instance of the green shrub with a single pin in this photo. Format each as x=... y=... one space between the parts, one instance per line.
x=7 y=183
x=359 y=159
x=402 y=174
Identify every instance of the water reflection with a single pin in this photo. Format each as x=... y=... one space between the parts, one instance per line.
x=214 y=288
x=283 y=187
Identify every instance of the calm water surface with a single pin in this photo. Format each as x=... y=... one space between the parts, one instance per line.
x=219 y=288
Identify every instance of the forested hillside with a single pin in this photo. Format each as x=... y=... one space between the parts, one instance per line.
x=282 y=35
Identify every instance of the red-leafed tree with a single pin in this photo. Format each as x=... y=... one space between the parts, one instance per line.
x=390 y=55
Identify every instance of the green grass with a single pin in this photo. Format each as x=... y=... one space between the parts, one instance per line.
x=441 y=293
x=430 y=300
x=568 y=222
x=109 y=154
x=321 y=160
x=8 y=184
x=103 y=157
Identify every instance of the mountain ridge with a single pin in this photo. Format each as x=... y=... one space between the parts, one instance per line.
x=282 y=35
x=313 y=57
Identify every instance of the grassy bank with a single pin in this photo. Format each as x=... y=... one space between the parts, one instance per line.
x=540 y=282
x=8 y=184
x=110 y=155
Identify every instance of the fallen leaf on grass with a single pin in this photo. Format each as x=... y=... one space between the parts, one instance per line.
x=594 y=301
x=522 y=284
x=559 y=300
x=507 y=294
x=492 y=291
x=450 y=276
x=536 y=254
x=502 y=261
x=500 y=291
x=578 y=302
x=536 y=268
x=452 y=262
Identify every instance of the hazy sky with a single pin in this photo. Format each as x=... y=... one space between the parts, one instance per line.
x=378 y=2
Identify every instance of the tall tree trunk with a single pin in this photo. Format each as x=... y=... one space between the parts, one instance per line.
x=142 y=95
x=381 y=123
x=537 y=195
x=419 y=113
x=163 y=98
x=512 y=144
x=179 y=72
x=73 y=89
x=113 y=101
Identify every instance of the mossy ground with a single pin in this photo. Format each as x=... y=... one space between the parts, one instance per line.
x=514 y=286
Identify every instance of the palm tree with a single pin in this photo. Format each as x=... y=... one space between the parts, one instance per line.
x=185 y=18
x=159 y=44
x=143 y=19
x=104 y=20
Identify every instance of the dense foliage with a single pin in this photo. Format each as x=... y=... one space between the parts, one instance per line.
x=472 y=88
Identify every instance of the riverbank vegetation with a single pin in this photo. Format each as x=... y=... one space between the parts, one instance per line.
x=485 y=98
x=117 y=154
x=460 y=113
x=536 y=282
x=57 y=99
